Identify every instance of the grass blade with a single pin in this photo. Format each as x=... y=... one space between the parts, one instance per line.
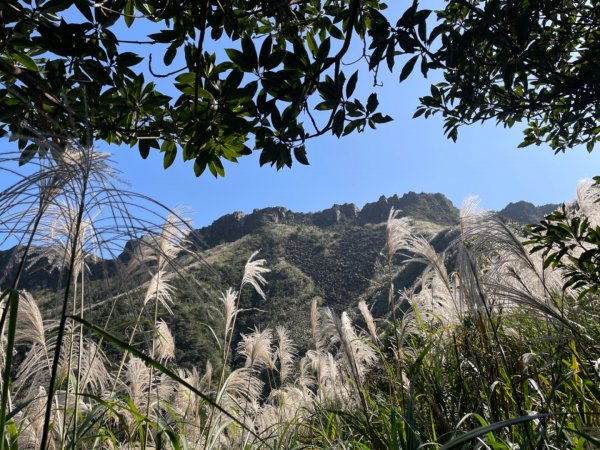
x=480 y=431
x=13 y=300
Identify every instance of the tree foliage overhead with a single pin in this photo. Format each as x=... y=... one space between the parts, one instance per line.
x=285 y=75
x=531 y=61
x=70 y=61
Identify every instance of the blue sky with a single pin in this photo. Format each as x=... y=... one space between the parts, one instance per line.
x=404 y=155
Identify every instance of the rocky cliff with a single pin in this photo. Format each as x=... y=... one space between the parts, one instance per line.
x=427 y=207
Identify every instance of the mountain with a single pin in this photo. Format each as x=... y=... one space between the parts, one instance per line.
x=334 y=255
x=526 y=212
x=425 y=207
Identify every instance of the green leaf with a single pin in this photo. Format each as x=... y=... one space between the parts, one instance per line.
x=250 y=52
x=170 y=150
x=199 y=166
x=473 y=434
x=380 y=118
x=323 y=51
x=372 y=103
x=351 y=85
x=54 y=6
x=338 y=122
x=25 y=61
x=165 y=36
x=300 y=155
x=274 y=60
x=84 y=8
x=128 y=59
x=96 y=71
x=408 y=68
x=170 y=53
x=239 y=59
x=325 y=106
x=129 y=13
x=144 y=148
x=265 y=51
x=27 y=154
x=312 y=44
x=336 y=32
x=216 y=167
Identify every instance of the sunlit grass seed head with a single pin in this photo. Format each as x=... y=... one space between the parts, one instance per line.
x=254 y=271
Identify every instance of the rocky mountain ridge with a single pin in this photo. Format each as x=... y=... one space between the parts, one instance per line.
x=427 y=207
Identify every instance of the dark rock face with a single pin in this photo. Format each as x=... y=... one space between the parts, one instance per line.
x=375 y=212
x=526 y=212
x=432 y=207
x=346 y=213
x=225 y=229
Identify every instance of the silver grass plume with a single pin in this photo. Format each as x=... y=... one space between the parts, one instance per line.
x=314 y=321
x=92 y=367
x=285 y=353
x=418 y=249
x=57 y=232
x=160 y=290
x=137 y=384
x=470 y=214
x=397 y=230
x=83 y=356
x=30 y=324
x=588 y=196
x=142 y=253
x=473 y=297
x=436 y=299
x=512 y=277
x=369 y=321
x=327 y=333
x=240 y=388
x=187 y=406
x=253 y=274
x=164 y=343
x=206 y=380
x=162 y=247
x=30 y=422
x=306 y=380
x=229 y=300
x=357 y=350
x=325 y=367
x=256 y=349
x=284 y=407
x=185 y=402
x=353 y=355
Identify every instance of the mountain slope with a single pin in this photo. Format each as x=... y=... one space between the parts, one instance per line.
x=334 y=255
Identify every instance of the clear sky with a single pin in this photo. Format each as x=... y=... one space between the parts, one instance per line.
x=403 y=155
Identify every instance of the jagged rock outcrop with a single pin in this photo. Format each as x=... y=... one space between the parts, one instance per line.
x=431 y=207
x=232 y=227
x=346 y=213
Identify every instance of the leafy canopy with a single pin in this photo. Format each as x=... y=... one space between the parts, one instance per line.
x=286 y=74
x=531 y=61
